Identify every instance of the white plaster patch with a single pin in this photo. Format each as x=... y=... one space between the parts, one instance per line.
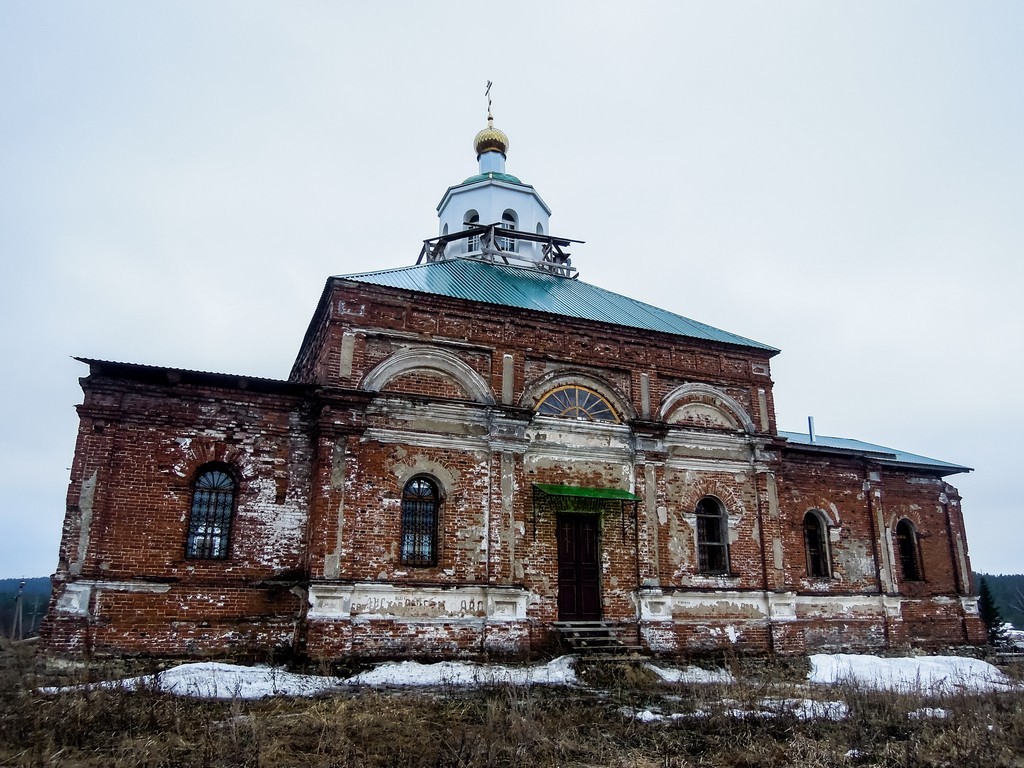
x=282 y=525
x=75 y=600
x=386 y=601
x=85 y=502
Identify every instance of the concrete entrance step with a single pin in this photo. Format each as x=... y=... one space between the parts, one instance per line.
x=598 y=638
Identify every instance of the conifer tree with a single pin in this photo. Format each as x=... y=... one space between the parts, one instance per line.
x=989 y=612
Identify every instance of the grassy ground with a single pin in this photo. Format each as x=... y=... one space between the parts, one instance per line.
x=592 y=725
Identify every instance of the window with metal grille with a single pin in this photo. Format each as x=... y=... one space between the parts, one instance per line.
x=712 y=536
x=910 y=555
x=815 y=545
x=574 y=402
x=421 y=503
x=209 y=523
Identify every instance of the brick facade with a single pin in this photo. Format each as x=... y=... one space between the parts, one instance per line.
x=392 y=385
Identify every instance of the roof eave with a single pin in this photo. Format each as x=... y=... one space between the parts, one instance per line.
x=167 y=376
x=885 y=458
x=459 y=188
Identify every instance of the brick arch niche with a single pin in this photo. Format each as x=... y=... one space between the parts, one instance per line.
x=433 y=363
x=702 y=405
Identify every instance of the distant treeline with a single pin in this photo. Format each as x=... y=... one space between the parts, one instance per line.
x=1008 y=593
x=35 y=598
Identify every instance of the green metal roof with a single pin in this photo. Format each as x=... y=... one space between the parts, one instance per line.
x=877 y=452
x=492 y=176
x=586 y=493
x=533 y=289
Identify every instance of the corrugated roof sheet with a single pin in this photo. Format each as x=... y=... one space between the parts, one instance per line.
x=527 y=288
x=879 y=452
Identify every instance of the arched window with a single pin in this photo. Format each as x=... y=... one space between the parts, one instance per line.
x=540 y=228
x=421 y=503
x=816 y=544
x=910 y=554
x=509 y=220
x=573 y=402
x=472 y=219
x=209 y=522
x=712 y=536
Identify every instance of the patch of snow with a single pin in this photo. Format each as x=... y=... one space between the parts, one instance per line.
x=926 y=674
x=935 y=713
x=802 y=709
x=920 y=674
x=809 y=709
x=216 y=680
x=558 y=671
x=1014 y=638
x=647 y=716
x=692 y=675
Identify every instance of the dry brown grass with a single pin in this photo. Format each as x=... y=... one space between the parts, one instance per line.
x=500 y=726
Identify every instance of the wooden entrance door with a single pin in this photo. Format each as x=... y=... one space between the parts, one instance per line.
x=579 y=568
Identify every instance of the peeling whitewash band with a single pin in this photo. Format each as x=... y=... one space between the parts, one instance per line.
x=386 y=601
x=680 y=605
x=74 y=600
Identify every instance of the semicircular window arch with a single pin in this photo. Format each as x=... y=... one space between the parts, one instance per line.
x=213 y=503
x=575 y=402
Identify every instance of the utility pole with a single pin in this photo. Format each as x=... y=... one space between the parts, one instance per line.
x=33 y=620
x=17 y=630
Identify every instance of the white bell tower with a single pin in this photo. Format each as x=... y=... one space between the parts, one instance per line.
x=493 y=196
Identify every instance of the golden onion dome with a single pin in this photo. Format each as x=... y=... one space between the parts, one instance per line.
x=490 y=139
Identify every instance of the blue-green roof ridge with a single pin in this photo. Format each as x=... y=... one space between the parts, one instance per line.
x=534 y=289
x=878 y=452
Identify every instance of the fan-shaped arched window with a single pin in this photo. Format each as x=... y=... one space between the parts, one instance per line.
x=575 y=402
x=816 y=544
x=472 y=219
x=209 y=522
x=421 y=505
x=712 y=536
x=909 y=552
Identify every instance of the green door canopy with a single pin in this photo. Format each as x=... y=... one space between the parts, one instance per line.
x=573 y=498
x=586 y=493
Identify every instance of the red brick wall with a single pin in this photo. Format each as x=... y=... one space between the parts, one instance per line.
x=620 y=354
x=834 y=485
x=140 y=445
x=321 y=470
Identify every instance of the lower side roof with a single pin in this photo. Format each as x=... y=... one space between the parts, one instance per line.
x=879 y=453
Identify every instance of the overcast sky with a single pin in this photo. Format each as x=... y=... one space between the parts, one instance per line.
x=842 y=180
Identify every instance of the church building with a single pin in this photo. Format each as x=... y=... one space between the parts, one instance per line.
x=480 y=453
